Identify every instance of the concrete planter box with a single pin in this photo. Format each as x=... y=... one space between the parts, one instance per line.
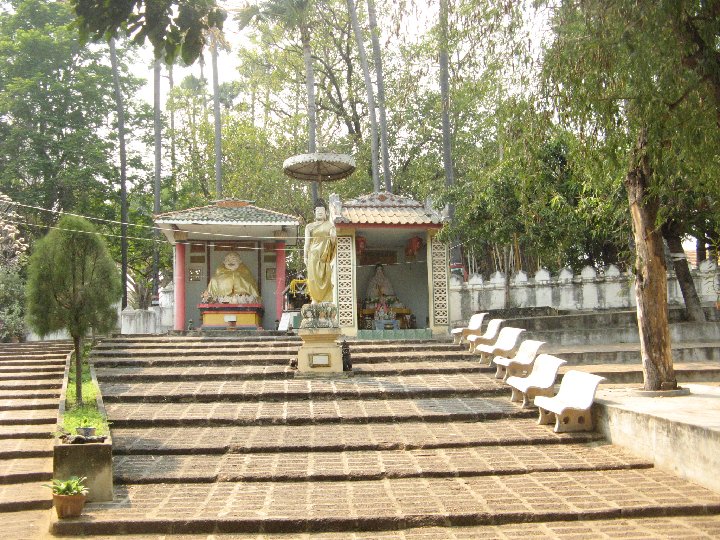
x=91 y=460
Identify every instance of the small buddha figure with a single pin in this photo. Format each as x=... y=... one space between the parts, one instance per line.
x=233 y=282
x=379 y=285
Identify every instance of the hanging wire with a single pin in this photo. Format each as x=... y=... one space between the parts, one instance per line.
x=152 y=227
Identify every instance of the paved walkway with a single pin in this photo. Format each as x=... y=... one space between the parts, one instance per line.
x=30 y=380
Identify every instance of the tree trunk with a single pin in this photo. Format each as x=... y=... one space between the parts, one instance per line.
x=370 y=94
x=693 y=307
x=173 y=159
x=455 y=254
x=123 y=171
x=158 y=165
x=377 y=60
x=701 y=250
x=312 y=111
x=77 y=343
x=216 y=117
x=651 y=273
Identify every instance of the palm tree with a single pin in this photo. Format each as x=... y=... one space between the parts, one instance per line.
x=370 y=95
x=217 y=38
x=455 y=258
x=123 y=169
x=158 y=165
x=382 y=121
x=292 y=15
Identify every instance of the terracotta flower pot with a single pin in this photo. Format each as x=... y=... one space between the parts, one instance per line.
x=68 y=506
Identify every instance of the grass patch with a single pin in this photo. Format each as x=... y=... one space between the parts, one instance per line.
x=82 y=416
x=85 y=413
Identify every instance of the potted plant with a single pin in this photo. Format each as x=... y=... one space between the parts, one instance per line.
x=86 y=429
x=68 y=496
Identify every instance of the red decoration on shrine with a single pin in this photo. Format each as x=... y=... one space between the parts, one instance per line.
x=413 y=246
x=360 y=244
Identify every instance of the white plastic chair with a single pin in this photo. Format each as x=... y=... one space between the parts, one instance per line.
x=521 y=363
x=540 y=382
x=571 y=408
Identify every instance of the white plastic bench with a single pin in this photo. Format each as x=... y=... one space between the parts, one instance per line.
x=473 y=327
x=521 y=363
x=571 y=408
x=504 y=344
x=491 y=332
x=540 y=382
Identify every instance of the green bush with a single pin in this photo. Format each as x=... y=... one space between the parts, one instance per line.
x=12 y=304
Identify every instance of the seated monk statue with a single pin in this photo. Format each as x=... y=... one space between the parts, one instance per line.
x=379 y=285
x=233 y=282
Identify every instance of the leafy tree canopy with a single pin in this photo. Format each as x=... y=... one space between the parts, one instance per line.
x=72 y=281
x=172 y=26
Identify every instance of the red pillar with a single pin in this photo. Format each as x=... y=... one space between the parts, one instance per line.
x=179 y=286
x=279 y=277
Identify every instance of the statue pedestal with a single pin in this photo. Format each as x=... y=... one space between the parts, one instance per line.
x=320 y=353
x=240 y=316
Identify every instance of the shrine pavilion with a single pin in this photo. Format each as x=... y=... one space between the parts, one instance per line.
x=203 y=237
x=386 y=241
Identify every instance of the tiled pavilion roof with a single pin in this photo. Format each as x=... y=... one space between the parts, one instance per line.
x=228 y=212
x=385 y=208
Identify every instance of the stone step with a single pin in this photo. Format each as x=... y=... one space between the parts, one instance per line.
x=276 y=359
x=17 y=497
x=679 y=332
x=19 y=418
x=30 y=385
x=17 y=404
x=31 y=394
x=26 y=469
x=703 y=526
x=254 y=372
x=363 y=388
x=31 y=376
x=264 y=349
x=632 y=373
x=338 y=437
x=30 y=363
x=391 y=504
x=593 y=319
x=140 y=340
x=26 y=525
x=371 y=465
x=29 y=448
x=629 y=353
x=308 y=412
x=28 y=431
x=34 y=369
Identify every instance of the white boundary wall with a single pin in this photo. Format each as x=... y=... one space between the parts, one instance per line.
x=156 y=320
x=611 y=289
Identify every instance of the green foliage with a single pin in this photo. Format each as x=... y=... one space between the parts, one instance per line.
x=86 y=415
x=12 y=304
x=610 y=79
x=89 y=390
x=56 y=148
x=72 y=486
x=173 y=27
x=72 y=281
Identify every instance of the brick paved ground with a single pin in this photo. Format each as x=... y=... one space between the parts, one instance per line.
x=30 y=379
x=212 y=437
